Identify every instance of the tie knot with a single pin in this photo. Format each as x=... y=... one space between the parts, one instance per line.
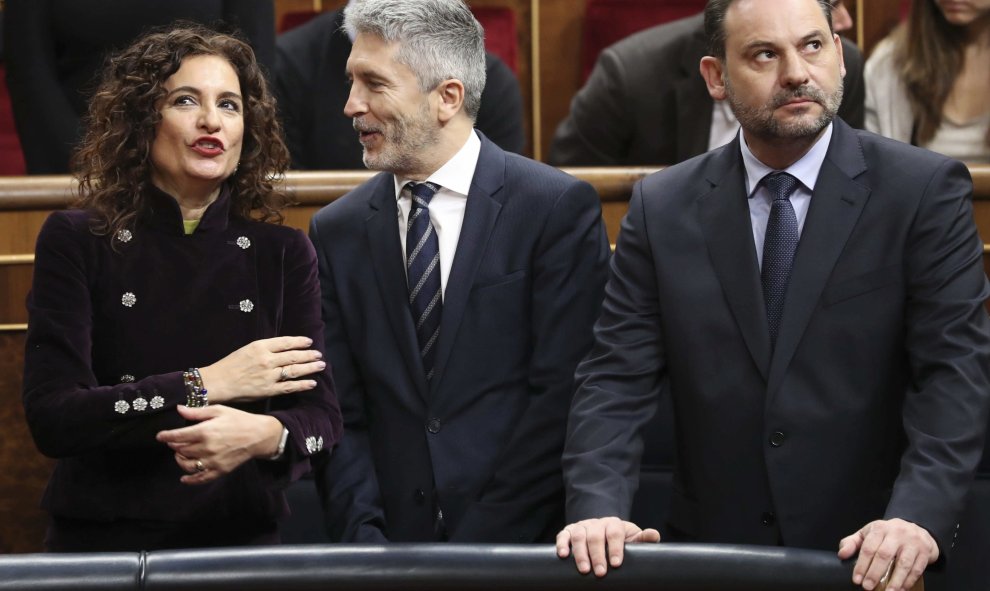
x=780 y=184
x=422 y=193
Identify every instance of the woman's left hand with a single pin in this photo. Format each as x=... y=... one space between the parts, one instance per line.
x=223 y=439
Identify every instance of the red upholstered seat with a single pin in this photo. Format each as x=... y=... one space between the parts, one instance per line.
x=500 y=33
x=11 y=157
x=607 y=21
x=499 y=24
x=291 y=20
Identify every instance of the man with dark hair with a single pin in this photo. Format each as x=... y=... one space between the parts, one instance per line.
x=459 y=290
x=814 y=297
x=646 y=104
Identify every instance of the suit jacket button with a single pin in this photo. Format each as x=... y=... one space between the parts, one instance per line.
x=433 y=426
x=768 y=518
x=419 y=496
x=777 y=439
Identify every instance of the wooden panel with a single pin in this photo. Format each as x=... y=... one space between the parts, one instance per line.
x=15 y=281
x=25 y=471
x=558 y=55
x=874 y=20
x=19 y=230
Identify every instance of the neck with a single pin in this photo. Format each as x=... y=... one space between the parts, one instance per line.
x=978 y=33
x=192 y=201
x=452 y=138
x=779 y=153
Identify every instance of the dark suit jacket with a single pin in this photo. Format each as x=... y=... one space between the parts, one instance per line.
x=312 y=90
x=874 y=402
x=483 y=439
x=645 y=102
x=102 y=377
x=55 y=52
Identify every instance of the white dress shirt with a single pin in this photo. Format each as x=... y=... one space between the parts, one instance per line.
x=447 y=206
x=804 y=170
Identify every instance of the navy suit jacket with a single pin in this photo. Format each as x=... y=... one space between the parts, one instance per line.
x=874 y=402
x=482 y=440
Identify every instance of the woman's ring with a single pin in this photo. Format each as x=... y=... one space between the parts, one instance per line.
x=282 y=376
x=200 y=467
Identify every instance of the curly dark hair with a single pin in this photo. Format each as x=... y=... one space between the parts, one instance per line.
x=113 y=162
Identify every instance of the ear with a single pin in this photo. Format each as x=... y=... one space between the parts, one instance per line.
x=842 y=60
x=451 y=93
x=711 y=70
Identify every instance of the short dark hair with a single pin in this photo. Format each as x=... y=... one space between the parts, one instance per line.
x=112 y=162
x=715 y=23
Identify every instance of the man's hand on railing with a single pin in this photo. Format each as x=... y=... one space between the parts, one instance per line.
x=590 y=539
x=883 y=544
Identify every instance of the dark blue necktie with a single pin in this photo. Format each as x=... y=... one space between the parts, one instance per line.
x=423 y=272
x=779 y=245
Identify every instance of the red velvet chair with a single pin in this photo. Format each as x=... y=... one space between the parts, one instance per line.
x=607 y=21
x=499 y=24
x=11 y=157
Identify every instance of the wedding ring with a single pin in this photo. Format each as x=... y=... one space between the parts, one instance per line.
x=282 y=376
x=200 y=467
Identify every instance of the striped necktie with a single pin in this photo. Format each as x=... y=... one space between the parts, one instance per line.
x=423 y=273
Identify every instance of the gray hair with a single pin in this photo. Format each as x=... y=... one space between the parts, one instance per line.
x=715 y=24
x=438 y=40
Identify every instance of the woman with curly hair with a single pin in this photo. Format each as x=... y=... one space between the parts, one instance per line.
x=927 y=82
x=173 y=362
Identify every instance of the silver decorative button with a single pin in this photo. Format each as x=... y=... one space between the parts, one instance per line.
x=157 y=402
x=124 y=235
x=126 y=378
x=246 y=305
x=121 y=406
x=314 y=444
x=244 y=242
x=128 y=299
x=139 y=404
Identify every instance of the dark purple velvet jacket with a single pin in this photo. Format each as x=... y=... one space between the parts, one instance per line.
x=114 y=321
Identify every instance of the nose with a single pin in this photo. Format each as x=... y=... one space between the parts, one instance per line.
x=356 y=104
x=209 y=118
x=793 y=70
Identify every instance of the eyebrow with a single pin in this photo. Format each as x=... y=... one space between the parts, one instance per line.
x=196 y=91
x=758 y=43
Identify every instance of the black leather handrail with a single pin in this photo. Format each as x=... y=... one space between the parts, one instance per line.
x=398 y=567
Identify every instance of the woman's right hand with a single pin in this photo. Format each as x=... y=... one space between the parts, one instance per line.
x=263 y=368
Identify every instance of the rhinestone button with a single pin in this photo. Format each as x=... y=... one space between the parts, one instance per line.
x=128 y=299
x=124 y=235
x=246 y=305
x=126 y=378
x=140 y=404
x=157 y=402
x=244 y=242
x=121 y=406
x=314 y=444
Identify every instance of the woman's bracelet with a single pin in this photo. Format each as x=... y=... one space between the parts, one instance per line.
x=195 y=392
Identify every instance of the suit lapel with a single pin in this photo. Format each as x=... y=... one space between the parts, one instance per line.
x=386 y=258
x=836 y=205
x=479 y=219
x=728 y=232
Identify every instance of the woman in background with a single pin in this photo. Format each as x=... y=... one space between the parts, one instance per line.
x=173 y=362
x=928 y=81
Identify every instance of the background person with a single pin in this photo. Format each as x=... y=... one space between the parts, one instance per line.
x=928 y=82
x=160 y=271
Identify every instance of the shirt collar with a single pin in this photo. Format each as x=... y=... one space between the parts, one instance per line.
x=806 y=169
x=457 y=173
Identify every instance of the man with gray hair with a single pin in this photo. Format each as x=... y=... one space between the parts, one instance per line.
x=459 y=290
